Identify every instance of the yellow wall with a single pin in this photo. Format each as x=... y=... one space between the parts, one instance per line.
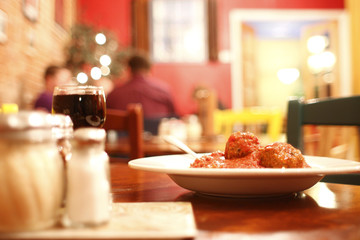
x=271 y=55
x=353 y=6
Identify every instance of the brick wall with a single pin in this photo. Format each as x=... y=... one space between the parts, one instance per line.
x=30 y=47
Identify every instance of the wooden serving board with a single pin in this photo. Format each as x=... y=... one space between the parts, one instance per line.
x=150 y=220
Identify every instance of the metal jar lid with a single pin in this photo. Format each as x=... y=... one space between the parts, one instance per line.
x=89 y=134
x=26 y=125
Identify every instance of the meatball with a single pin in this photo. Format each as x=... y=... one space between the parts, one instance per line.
x=241 y=144
x=279 y=155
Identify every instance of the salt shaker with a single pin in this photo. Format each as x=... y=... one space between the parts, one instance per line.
x=88 y=190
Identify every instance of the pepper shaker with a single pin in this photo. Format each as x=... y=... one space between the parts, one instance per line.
x=88 y=190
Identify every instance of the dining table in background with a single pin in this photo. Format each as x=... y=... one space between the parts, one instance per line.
x=325 y=211
x=155 y=146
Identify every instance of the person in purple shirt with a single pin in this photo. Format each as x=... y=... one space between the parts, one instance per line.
x=53 y=76
x=154 y=97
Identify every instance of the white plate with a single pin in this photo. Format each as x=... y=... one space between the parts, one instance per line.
x=240 y=182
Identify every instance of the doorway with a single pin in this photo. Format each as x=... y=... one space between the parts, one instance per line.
x=241 y=45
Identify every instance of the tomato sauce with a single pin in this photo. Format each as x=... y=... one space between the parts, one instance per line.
x=218 y=160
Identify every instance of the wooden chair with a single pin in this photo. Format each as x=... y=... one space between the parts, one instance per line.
x=333 y=112
x=131 y=122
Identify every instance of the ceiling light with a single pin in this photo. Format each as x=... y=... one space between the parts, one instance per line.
x=288 y=75
x=317 y=44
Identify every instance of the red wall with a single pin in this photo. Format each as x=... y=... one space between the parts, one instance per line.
x=114 y=15
x=183 y=78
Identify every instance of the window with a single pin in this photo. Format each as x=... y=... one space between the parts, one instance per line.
x=178 y=31
x=175 y=30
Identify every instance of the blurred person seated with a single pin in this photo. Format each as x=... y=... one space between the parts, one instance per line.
x=154 y=96
x=53 y=76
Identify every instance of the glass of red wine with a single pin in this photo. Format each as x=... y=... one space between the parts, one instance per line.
x=86 y=105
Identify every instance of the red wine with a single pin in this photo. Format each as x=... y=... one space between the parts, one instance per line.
x=84 y=110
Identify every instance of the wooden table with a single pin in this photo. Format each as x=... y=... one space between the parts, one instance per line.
x=155 y=146
x=325 y=211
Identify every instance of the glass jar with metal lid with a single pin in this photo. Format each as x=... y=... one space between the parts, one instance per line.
x=31 y=172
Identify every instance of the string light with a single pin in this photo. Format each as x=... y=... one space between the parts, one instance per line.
x=105 y=60
x=95 y=73
x=105 y=71
x=82 y=78
x=100 y=39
